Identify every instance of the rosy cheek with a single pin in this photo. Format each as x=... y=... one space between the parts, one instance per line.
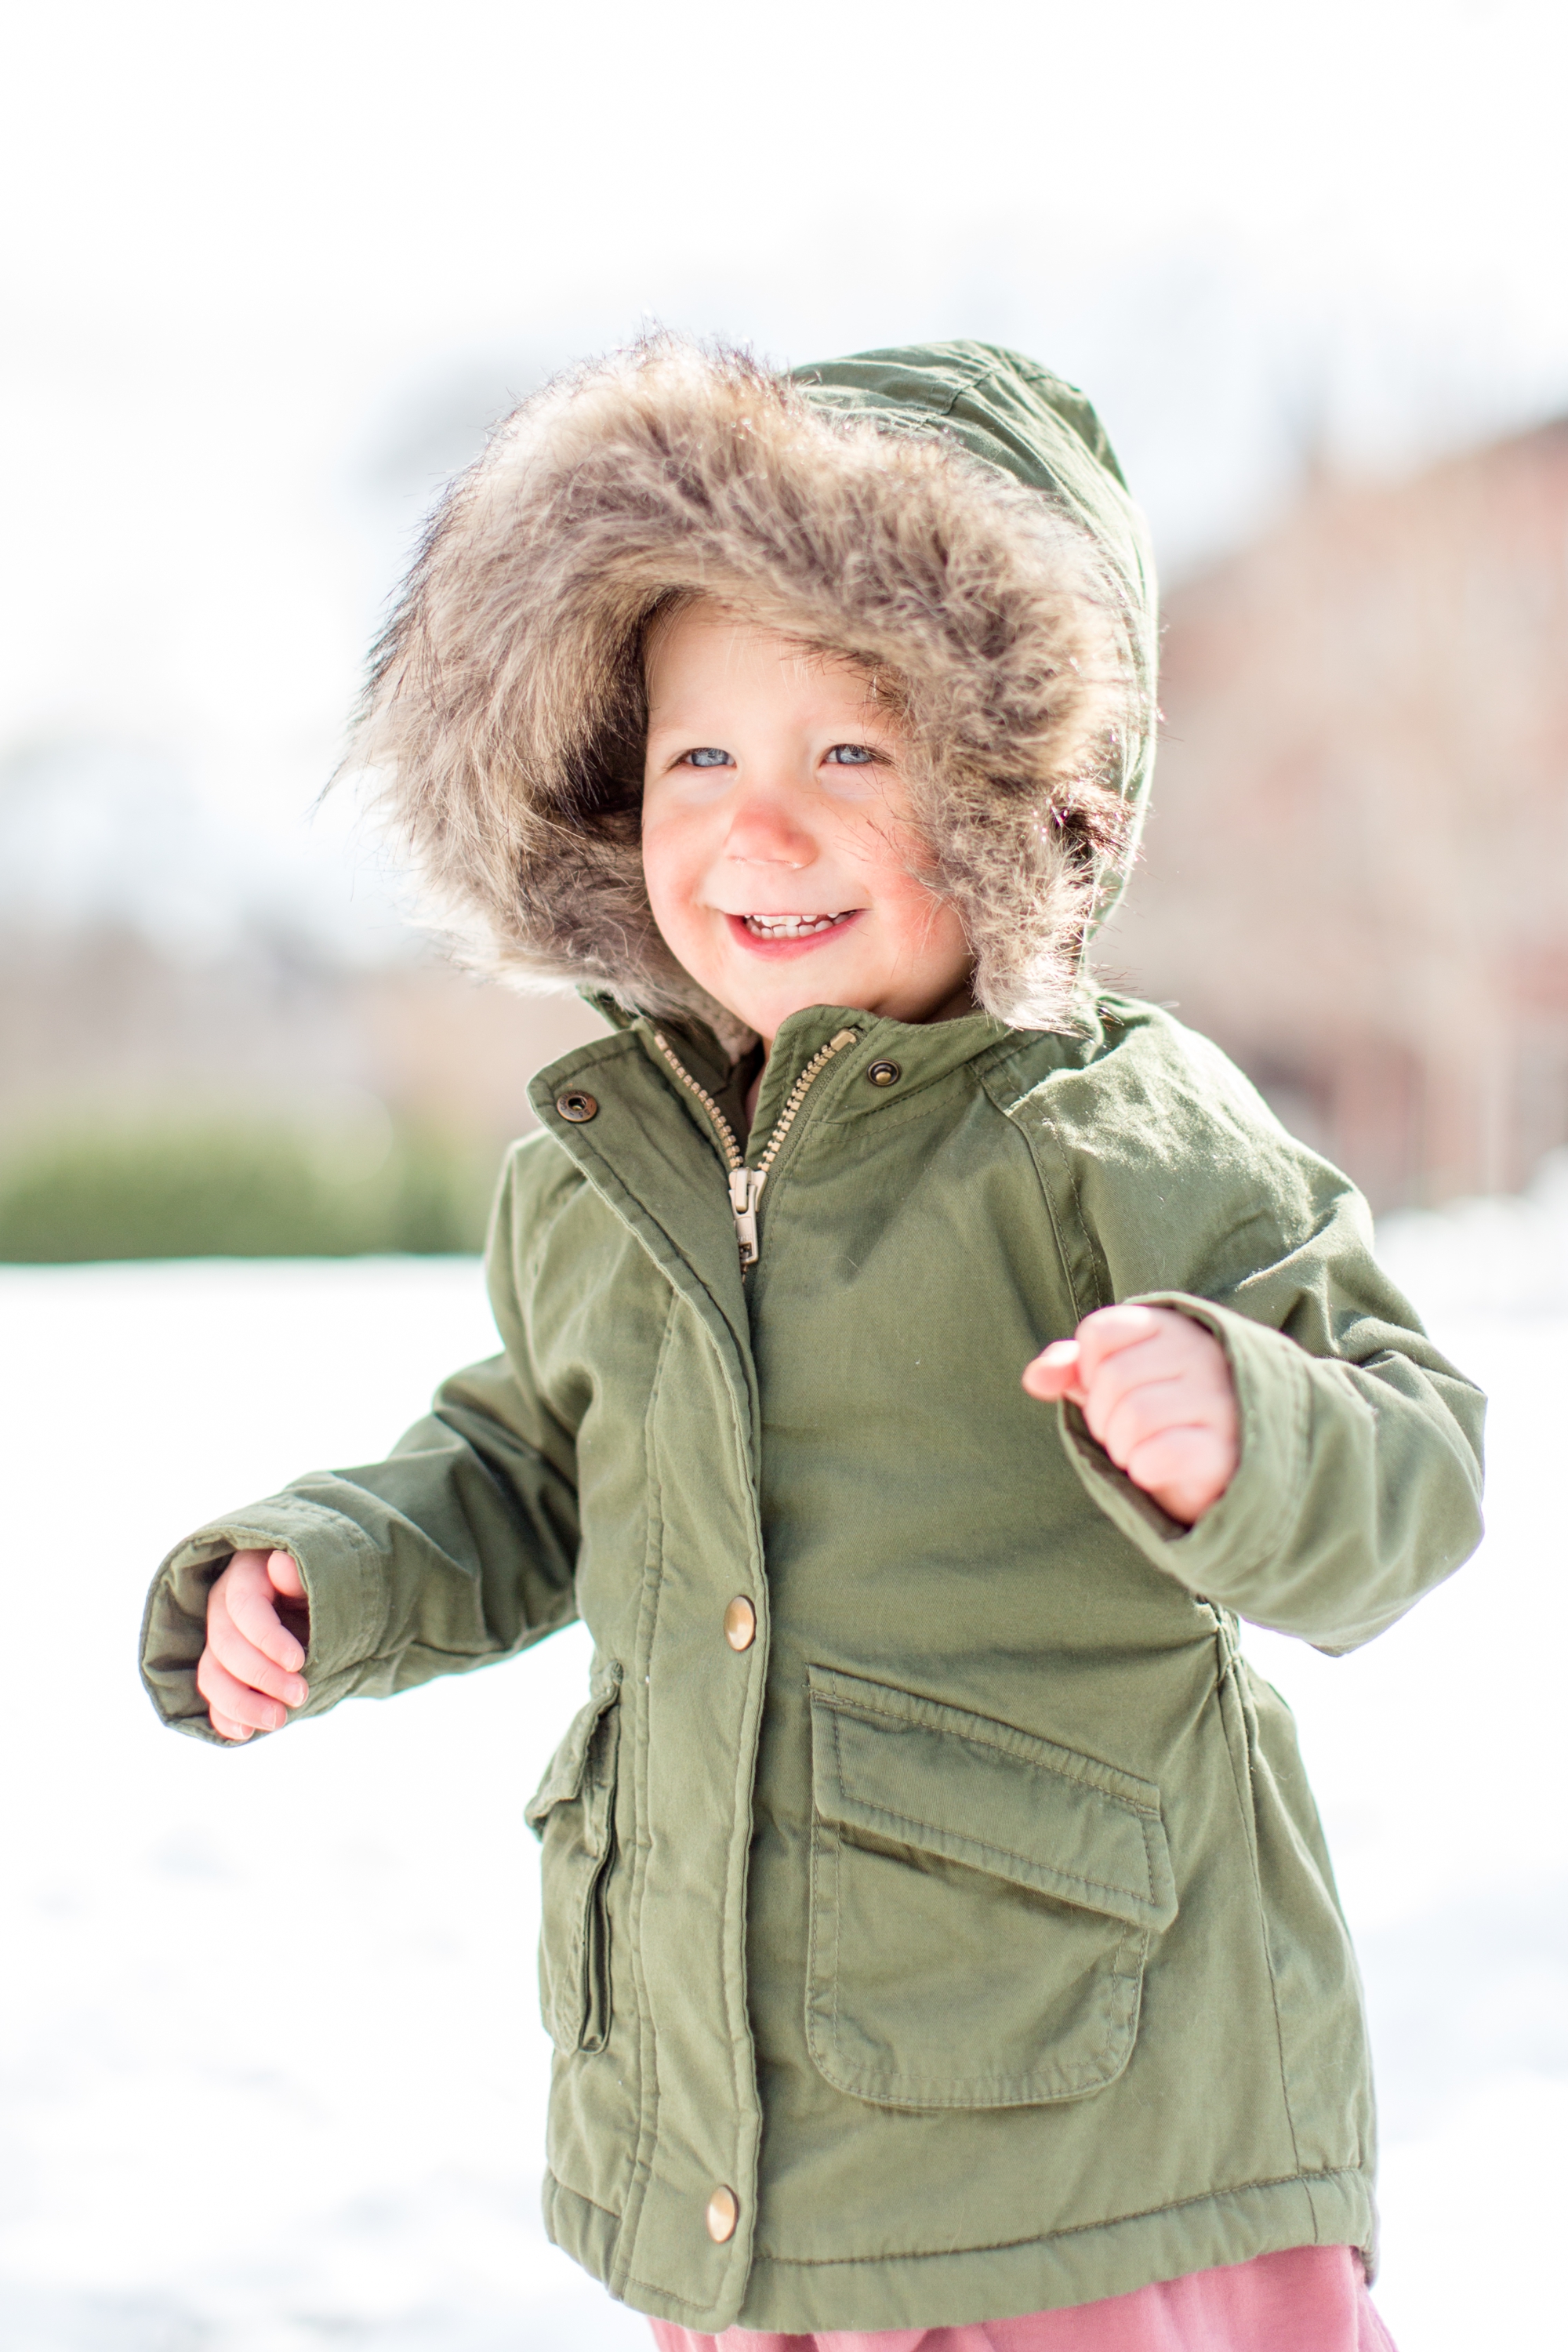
x=674 y=864
x=664 y=894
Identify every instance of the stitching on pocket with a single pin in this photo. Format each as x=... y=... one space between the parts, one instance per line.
x=1148 y=1817
x=983 y=1846
x=1118 y=2000
x=847 y=1705
x=1092 y=2073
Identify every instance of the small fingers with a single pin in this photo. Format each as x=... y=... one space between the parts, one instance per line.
x=1175 y=1352
x=249 y=1602
x=1162 y=1403
x=234 y=1700
x=1054 y=1373
x=1186 y=1470
x=283 y=1574
x=249 y=1665
x=1109 y=1329
x=226 y=1728
x=1124 y=1418
x=1158 y=1339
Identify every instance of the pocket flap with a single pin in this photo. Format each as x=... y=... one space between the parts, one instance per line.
x=568 y=1768
x=918 y=1772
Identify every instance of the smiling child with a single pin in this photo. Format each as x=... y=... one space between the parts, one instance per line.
x=938 y=1943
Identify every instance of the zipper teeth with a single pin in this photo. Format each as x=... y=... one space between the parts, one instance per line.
x=787 y=1118
x=798 y=1093
x=726 y=1132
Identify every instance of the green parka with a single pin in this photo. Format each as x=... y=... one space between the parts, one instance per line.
x=936 y=1921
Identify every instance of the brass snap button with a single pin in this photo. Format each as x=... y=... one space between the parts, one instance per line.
x=740 y=1623
x=884 y=1073
x=578 y=1108
x=723 y=2212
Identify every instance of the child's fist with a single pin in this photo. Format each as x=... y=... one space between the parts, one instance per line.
x=1156 y=1392
x=257 y=1625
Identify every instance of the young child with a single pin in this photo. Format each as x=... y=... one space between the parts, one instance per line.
x=938 y=1942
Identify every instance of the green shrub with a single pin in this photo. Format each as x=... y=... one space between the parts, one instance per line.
x=190 y=1187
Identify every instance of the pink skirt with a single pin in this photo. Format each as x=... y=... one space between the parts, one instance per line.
x=1311 y=2299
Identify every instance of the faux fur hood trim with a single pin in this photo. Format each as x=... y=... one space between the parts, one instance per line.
x=503 y=717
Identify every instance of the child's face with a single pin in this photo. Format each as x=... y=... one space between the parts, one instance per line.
x=775 y=832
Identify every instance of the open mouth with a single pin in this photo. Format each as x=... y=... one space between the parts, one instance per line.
x=793 y=927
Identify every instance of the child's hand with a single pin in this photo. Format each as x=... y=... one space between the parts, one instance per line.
x=1156 y=1392
x=249 y=1672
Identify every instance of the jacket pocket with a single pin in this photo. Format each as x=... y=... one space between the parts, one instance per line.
x=982 y=1902
x=573 y=1813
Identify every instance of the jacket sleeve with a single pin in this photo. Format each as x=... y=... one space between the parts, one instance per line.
x=458 y=1549
x=1359 y=1481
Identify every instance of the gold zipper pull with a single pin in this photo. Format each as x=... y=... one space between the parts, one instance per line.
x=745 y=1190
x=746 y=1184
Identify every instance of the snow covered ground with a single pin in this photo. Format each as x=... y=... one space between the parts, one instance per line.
x=232 y=1984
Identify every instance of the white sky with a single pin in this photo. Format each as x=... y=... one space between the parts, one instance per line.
x=261 y=272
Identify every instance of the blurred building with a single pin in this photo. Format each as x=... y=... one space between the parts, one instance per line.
x=1356 y=874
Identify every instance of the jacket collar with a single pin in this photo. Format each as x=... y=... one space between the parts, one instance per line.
x=923 y=1051
x=630 y=1150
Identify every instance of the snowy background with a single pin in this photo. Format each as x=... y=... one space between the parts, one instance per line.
x=232 y=1983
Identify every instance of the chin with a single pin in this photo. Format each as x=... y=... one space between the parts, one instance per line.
x=849 y=998
x=763 y=1008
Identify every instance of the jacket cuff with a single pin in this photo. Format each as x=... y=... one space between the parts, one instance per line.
x=1230 y=1553
x=345 y=1585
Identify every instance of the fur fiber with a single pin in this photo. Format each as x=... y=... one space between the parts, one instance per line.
x=503 y=719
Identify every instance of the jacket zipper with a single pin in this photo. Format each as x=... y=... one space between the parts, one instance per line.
x=746 y=1184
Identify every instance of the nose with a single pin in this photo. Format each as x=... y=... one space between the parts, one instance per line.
x=766 y=829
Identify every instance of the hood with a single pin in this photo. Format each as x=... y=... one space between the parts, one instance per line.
x=950 y=514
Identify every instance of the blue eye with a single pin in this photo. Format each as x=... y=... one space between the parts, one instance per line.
x=851 y=755
x=709 y=756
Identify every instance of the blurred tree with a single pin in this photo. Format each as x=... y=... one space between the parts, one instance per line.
x=180 y=1187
